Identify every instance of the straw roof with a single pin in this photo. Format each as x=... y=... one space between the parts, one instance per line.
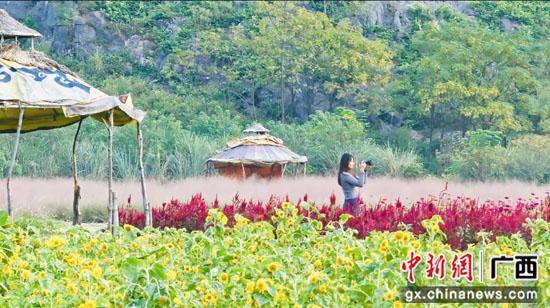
x=256 y=128
x=257 y=155
x=255 y=140
x=10 y=27
x=261 y=149
x=34 y=58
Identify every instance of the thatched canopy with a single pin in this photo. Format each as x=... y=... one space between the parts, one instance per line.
x=256 y=129
x=260 y=150
x=257 y=155
x=52 y=94
x=31 y=58
x=9 y=27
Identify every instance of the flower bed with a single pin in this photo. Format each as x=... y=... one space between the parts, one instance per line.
x=287 y=262
x=466 y=219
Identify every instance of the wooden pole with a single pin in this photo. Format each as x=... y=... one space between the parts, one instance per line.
x=115 y=212
x=110 y=173
x=244 y=173
x=283 y=170
x=13 y=158
x=76 y=196
x=146 y=207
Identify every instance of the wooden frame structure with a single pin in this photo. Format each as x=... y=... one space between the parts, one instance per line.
x=112 y=205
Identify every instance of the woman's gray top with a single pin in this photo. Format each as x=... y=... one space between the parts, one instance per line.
x=350 y=183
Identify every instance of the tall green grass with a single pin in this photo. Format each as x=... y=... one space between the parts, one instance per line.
x=173 y=152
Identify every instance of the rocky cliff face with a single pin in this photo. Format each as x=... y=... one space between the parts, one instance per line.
x=74 y=32
x=393 y=13
x=70 y=31
x=81 y=33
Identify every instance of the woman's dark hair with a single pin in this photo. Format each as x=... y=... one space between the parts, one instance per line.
x=344 y=163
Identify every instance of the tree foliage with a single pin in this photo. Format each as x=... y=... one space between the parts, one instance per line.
x=325 y=76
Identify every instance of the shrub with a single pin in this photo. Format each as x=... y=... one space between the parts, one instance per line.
x=529 y=159
x=326 y=136
x=479 y=156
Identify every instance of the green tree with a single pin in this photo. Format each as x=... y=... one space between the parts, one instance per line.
x=298 y=54
x=464 y=76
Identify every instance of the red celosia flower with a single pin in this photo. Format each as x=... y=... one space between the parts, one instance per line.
x=463 y=217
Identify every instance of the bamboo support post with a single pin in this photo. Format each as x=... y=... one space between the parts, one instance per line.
x=76 y=196
x=110 y=172
x=13 y=158
x=283 y=171
x=244 y=173
x=115 y=213
x=146 y=205
x=208 y=169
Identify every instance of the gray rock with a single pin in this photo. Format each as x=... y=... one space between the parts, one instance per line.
x=84 y=34
x=416 y=135
x=393 y=13
x=138 y=48
x=97 y=18
x=160 y=60
x=116 y=44
x=62 y=39
x=47 y=15
x=84 y=40
x=17 y=9
x=508 y=25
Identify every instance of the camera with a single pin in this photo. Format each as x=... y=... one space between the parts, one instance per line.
x=368 y=162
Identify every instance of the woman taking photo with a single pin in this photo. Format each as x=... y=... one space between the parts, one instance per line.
x=350 y=182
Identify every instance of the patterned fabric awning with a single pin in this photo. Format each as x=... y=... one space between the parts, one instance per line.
x=51 y=95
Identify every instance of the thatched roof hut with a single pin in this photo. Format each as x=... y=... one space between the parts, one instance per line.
x=257 y=153
x=11 y=28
